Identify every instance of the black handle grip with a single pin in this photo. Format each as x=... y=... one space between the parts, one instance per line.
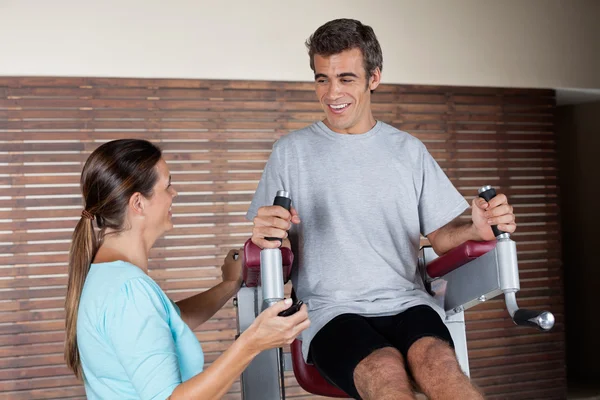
x=526 y=317
x=488 y=193
x=543 y=320
x=281 y=199
x=284 y=202
x=293 y=309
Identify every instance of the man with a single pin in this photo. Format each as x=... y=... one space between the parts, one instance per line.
x=365 y=192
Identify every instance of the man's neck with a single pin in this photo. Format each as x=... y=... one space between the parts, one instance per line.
x=358 y=129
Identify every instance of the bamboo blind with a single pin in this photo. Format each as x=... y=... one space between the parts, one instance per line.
x=216 y=137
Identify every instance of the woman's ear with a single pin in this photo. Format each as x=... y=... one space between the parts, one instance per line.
x=137 y=204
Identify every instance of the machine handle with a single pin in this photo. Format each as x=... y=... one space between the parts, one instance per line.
x=487 y=193
x=282 y=198
x=544 y=320
x=271 y=262
x=293 y=309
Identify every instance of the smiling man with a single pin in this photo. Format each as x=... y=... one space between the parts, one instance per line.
x=344 y=89
x=363 y=193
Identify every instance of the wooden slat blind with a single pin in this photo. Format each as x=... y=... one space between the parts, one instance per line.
x=217 y=136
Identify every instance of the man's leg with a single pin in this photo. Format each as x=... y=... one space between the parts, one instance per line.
x=436 y=370
x=353 y=356
x=382 y=376
x=422 y=337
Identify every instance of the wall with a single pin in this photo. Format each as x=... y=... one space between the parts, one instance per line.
x=579 y=133
x=217 y=136
x=510 y=43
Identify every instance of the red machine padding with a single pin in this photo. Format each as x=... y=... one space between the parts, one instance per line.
x=309 y=377
x=251 y=266
x=457 y=257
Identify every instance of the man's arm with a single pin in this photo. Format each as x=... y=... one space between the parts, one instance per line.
x=479 y=228
x=451 y=235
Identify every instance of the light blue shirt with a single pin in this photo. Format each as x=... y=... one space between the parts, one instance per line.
x=131 y=338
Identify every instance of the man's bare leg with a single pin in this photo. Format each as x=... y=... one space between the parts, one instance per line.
x=436 y=370
x=382 y=376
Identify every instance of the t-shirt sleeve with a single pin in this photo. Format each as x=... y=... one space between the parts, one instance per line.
x=137 y=327
x=270 y=182
x=439 y=201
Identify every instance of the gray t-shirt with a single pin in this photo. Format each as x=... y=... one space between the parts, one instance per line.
x=363 y=200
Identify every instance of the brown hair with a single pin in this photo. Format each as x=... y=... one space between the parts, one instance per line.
x=340 y=35
x=111 y=175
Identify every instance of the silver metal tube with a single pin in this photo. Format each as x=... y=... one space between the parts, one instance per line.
x=271 y=276
x=484 y=189
x=283 y=193
x=511 y=303
x=508 y=266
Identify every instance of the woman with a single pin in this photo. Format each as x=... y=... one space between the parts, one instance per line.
x=124 y=337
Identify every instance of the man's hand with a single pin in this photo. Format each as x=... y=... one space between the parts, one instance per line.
x=232 y=267
x=496 y=212
x=273 y=221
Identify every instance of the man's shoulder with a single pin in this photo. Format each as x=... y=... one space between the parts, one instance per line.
x=305 y=133
x=408 y=141
x=300 y=138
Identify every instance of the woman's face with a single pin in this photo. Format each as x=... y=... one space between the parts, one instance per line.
x=158 y=207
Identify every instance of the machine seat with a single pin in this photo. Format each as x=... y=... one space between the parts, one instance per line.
x=308 y=376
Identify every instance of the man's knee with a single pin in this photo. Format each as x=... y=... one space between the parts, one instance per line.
x=386 y=358
x=430 y=352
x=436 y=370
x=383 y=367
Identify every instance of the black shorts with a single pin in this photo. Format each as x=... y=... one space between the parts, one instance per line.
x=349 y=338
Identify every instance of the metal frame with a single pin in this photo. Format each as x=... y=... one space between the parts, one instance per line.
x=262 y=378
x=485 y=277
x=455 y=320
x=488 y=276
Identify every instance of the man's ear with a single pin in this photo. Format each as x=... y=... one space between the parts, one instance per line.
x=137 y=203
x=375 y=79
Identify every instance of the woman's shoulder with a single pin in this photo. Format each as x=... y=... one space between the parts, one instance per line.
x=115 y=281
x=106 y=277
x=120 y=288
x=123 y=276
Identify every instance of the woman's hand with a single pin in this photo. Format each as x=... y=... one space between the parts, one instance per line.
x=232 y=267
x=270 y=330
x=266 y=332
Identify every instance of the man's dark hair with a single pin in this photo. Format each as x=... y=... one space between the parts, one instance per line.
x=346 y=34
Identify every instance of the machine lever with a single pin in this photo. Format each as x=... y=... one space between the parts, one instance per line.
x=293 y=309
x=509 y=276
x=487 y=193
x=271 y=265
x=544 y=320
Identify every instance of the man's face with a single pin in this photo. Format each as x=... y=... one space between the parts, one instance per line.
x=343 y=90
